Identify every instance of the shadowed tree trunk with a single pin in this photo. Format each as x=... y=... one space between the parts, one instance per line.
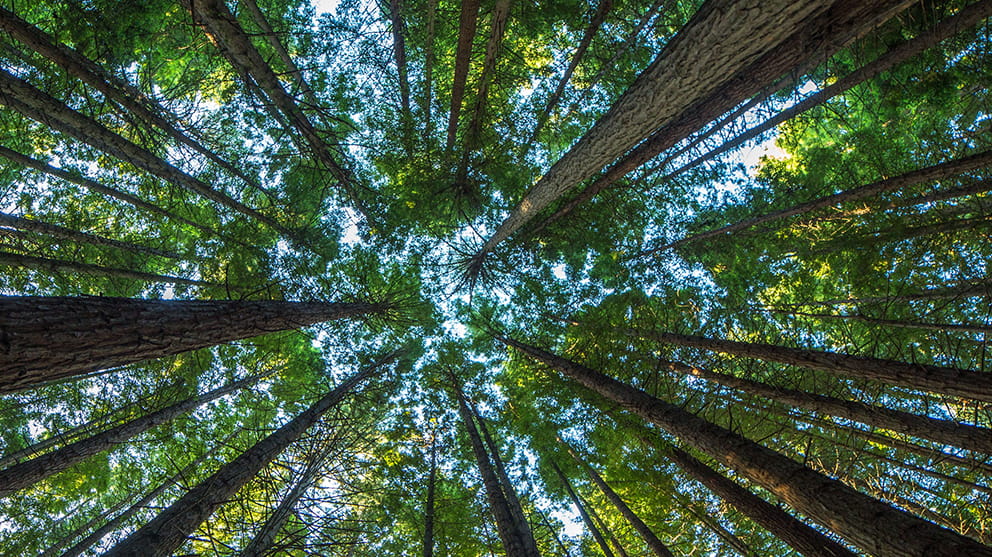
x=896 y=323
x=973 y=438
x=875 y=526
x=53 y=550
x=467 y=23
x=596 y=534
x=701 y=515
x=46 y=338
x=39 y=227
x=166 y=532
x=429 y=71
x=964 y=289
x=8 y=259
x=430 y=503
x=399 y=54
x=27 y=473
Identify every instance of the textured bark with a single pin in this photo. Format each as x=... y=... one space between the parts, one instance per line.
x=937 y=172
x=118 y=521
x=945 y=380
x=596 y=534
x=39 y=227
x=399 y=54
x=96 y=187
x=594 y=24
x=166 y=532
x=656 y=545
x=429 y=505
x=973 y=438
x=509 y=535
x=781 y=524
x=43 y=339
x=27 y=473
x=467 y=22
x=876 y=527
x=8 y=259
x=42 y=107
x=817 y=40
x=723 y=37
x=429 y=71
x=966 y=18
x=119 y=91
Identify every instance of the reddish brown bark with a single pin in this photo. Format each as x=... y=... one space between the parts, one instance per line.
x=57 y=231
x=467 y=22
x=59 y=266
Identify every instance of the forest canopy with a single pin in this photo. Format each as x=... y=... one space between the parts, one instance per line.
x=491 y=277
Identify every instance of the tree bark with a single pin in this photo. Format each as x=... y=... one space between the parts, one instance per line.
x=39 y=227
x=430 y=503
x=59 y=266
x=166 y=532
x=47 y=338
x=41 y=107
x=429 y=71
x=970 y=437
x=27 y=473
x=896 y=323
x=781 y=524
x=596 y=534
x=467 y=22
x=399 y=54
x=945 y=380
x=876 y=527
x=656 y=545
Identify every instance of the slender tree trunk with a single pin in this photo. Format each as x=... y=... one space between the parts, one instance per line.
x=119 y=91
x=596 y=534
x=964 y=289
x=723 y=38
x=41 y=107
x=512 y=500
x=875 y=526
x=8 y=259
x=930 y=173
x=467 y=22
x=656 y=545
x=970 y=437
x=429 y=71
x=42 y=339
x=781 y=524
x=53 y=549
x=27 y=473
x=945 y=380
x=701 y=515
x=618 y=52
x=40 y=227
x=597 y=21
x=872 y=241
x=430 y=503
x=399 y=54
x=965 y=19
x=509 y=535
x=896 y=323
x=166 y=532
x=119 y=520
x=273 y=39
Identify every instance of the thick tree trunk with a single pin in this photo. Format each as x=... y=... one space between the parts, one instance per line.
x=430 y=503
x=973 y=438
x=597 y=21
x=20 y=476
x=8 y=259
x=42 y=339
x=467 y=22
x=700 y=62
x=150 y=497
x=781 y=524
x=39 y=227
x=936 y=172
x=509 y=535
x=656 y=545
x=166 y=532
x=41 y=107
x=876 y=527
x=596 y=534
x=945 y=380
x=121 y=92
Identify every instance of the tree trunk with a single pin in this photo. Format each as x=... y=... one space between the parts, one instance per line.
x=429 y=510
x=467 y=22
x=968 y=17
x=27 y=473
x=429 y=71
x=656 y=545
x=722 y=38
x=52 y=550
x=41 y=107
x=875 y=526
x=964 y=289
x=701 y=515
x=166 y=532
x=45 y=228
x=119 y=91
x=399 y=53
x=896 y=323
x=596 y=534
x=597 y=21
x=970 y=437
x=47 y=338
x=58 y=266
x=270 y=37
x=509 y=534
x=945 y=380
x=936 y=172
x=781 y=524
x=618 y=52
